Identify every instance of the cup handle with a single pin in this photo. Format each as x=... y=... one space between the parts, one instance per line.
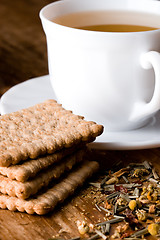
x=142 y=109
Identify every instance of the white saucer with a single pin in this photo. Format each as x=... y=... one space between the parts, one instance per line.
x=39 y=89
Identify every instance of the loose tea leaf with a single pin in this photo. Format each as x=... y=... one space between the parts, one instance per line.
x=130 y=202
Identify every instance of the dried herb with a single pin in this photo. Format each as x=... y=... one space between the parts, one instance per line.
x=138 y=184
x=114 y=220
x=140 y=233
x=100 y=234
x=131 y=219
x=94 y=237
x=120 y=188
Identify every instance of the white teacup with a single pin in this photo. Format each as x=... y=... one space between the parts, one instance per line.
x=112 y=78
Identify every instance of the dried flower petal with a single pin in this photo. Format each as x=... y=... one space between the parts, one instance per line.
x=152 y=208
x=131 y=219
x=132 y=204
x=153 y=229
x=141 y=214
x=140 y=172
x=120 y=188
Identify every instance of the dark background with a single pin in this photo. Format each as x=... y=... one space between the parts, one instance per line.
x=23 y=52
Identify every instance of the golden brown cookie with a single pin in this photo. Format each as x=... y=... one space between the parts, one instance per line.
x=42 y=129
x=26 y=189
x=31 y=167
x=47 y=201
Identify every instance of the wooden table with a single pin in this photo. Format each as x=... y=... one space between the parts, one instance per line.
x=23 y=56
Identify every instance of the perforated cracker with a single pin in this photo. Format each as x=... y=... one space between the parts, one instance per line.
x=43 y=128
x=30 y=168
x=26 y=189
x=47 y=201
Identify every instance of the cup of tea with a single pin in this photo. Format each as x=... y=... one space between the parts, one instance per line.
x=104 y=60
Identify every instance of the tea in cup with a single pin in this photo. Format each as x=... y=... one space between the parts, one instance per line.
x=103 y=59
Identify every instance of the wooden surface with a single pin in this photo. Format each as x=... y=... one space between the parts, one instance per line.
x=23 y=56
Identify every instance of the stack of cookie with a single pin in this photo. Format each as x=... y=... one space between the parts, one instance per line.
x=42 y=152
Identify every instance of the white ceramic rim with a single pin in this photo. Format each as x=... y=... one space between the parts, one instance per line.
x=63 y=7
